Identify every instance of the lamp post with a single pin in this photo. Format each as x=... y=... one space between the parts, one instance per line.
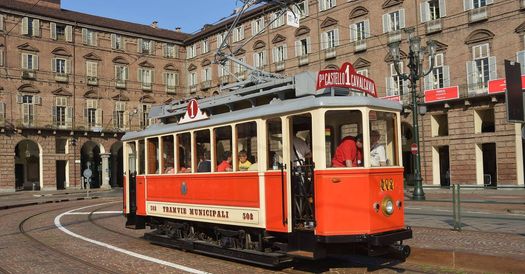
x=416 y=57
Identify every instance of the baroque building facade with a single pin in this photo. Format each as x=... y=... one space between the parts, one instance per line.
x=72 y=83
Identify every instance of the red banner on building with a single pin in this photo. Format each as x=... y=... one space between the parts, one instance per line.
x=499 y=85
x=441 y=94
x=346 y=77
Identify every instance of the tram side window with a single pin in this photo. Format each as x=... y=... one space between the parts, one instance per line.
x=275 y=144
x=132 y=157
x=347 y=137
x=184 y=153
x=247 y=146
x=153 y=156
x=223 y=151
x=202 y=141
x=383 y=143
x=142 y=157
x=168 y=164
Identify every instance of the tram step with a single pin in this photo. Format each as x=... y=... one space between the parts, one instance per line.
x=303 y=254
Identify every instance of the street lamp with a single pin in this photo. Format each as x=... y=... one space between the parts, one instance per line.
x=416 y=57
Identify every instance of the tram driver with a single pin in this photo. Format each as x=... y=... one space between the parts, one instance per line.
x=377 y=150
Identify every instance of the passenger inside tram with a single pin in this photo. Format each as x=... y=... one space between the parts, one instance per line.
x=204 y=162
x=244 y=163
x=377 y=150
x=226 y=164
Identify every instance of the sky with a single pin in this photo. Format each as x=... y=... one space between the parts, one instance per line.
x=189 y=15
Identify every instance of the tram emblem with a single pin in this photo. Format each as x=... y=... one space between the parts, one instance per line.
x=193 y=113
x=183 y=188
x=386 y=184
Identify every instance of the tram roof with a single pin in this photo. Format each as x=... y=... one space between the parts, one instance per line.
x=274 y=108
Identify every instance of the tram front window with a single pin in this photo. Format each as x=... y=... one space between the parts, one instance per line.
x=383 y=145
x=346 y=136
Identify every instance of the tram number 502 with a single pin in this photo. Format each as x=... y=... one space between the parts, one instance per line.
x=247 y=216
x=386 y=184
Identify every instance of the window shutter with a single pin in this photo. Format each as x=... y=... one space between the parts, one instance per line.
x=95 y=39
x=403 y=90
x=308 y=45
x=98 y=117
x=471 y=75
x=36 y=27
x=446 y=76
x=442 y=9
x=388 y=81
x=520 y=56
x=68 y=66
x=126 y=119
x=55 y=110
x=69 y=34
x=467 y=4
x=324 y=40
x=402 y=18
x=322 y=5
x=253 y=28
x=1 y=56
x=69 y=116
x=424 y=11
x=165 y=50
x=490 y=2
x=336 y=35
x=298 y=48
x=2 y=112
x=140 y=75
x=35 y=61
x=139 y=45
x=113 y=41
x=285 y=52
x=84 y=36
x=23 y=61
x=54 y=64
x=386 y=23
x=429 y=81
x=493 y=68
x=53 y=30
x=367 y=28
x=25 y=27
x=1 y=23
x=274 y=54
x=152 y=47
x=353 y=32
x=152 y=77
x=37 y=100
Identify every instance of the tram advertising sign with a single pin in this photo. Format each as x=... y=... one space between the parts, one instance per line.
x=441 y=94
x=346 y=77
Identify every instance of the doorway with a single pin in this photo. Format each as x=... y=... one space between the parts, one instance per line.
x=61 y=174
x=444 y=166
x=490 y=172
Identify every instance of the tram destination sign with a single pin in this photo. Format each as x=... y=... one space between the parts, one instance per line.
x=346 y=77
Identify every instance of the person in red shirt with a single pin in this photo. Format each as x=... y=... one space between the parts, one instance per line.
x=226 y=164
x=349 y=153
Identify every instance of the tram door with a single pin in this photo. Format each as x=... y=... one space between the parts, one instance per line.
x=302 y=168
x=131 y=221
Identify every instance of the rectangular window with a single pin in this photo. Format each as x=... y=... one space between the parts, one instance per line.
x=92 y=114
x=191 y=51
x=223 y=149
x=274 y=156
x=259 y=59
x=432 y=10
x=394 y=21
x=167 y=155
x=171 y=81
x=206 y=74
x=481 y=69
x=279 y=53
x=330 y=39
x=203 y=146
x=224 y=70
x=383 y=141
x=440 y=76
x=341 y=145
x=142 y=157
x=120 y=117
x=60 y=66
x=192 y=79
x=145 y=46
x=153 y=156
x=29 y=61
x=60 y=111
x=28 y=109
x=326 y=4
x=247 y=146
x=145 y=77
x=117 y=42
x=184 y=153
x=121 y=75
x=238 y=33
x=2 y=114
x=395 y=84
x=205 y=46
x=302 y=46
x=301 y=9
x=439 y=124
x=89 y=37
x=30 y=27
x=144 y=115
x=257 y=25
x=170 y=51
x=277 y=20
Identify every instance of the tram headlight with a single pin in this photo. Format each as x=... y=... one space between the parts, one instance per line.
x=387 y=206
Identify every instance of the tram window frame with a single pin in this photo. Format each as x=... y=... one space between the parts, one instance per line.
x=339 y=132
x=220 y=154
x=389 y=135
x=167 y=154
x=142 y=156
x=183 y=141
x=153 y=167
x=131 y=151
x=247 y=131
x=205 y=152
x=274 y=155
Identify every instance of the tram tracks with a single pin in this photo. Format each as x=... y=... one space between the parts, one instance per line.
x=25 y=233
x=95 y=223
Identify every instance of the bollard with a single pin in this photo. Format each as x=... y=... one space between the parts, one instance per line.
x=456 y=204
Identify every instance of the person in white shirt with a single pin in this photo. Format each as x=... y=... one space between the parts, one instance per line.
x=301 y=151
x=377 y=151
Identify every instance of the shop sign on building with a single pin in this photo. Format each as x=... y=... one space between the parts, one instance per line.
x=499 y=85
x=441 y=94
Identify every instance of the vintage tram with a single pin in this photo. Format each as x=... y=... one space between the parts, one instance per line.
x=188 y=178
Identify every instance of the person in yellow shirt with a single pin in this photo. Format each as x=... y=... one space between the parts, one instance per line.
x=244 y=164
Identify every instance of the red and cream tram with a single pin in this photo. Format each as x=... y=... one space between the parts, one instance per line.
x=222 y=175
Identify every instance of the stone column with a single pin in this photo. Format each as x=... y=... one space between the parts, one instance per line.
x=105 y=171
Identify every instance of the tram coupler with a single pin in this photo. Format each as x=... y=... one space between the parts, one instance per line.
x=135 y=222
x=399 y=251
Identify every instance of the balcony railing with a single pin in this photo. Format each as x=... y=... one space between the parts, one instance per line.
x=279 y=66
x=433 y=26
x=206 y=84
x=193 y=88
x=61 y=77
x=478 y=14
x=394 y=36
x=120 y=84
x=360 y=45
x=147 y=86
x=171 y=89
x=330 y=53
x=225 y=79
x=28 y=74
x=92 y=81
x=303 y=60
x=240 y=75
